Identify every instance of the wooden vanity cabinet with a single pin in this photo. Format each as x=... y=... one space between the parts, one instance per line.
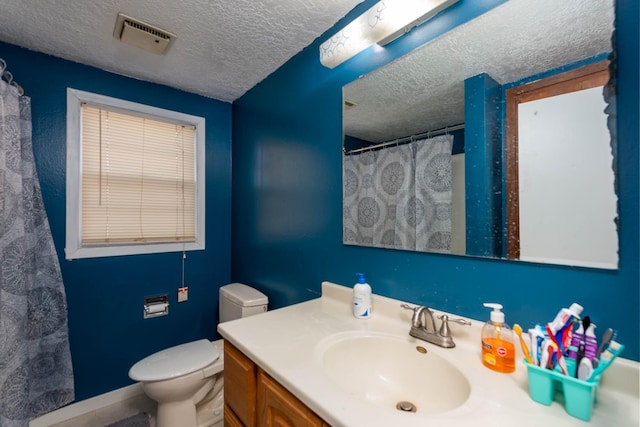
x=254 y=399
x=240 y=392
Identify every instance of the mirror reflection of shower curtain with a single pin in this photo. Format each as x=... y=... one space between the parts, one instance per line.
x=400 y=197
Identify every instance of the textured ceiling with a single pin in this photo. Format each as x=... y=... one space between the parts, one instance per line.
x=223 y=48
x=425 y=89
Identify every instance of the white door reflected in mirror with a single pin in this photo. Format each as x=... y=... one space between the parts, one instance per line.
x=567 y=218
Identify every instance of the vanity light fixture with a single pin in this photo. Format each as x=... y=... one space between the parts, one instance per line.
x=384 y=22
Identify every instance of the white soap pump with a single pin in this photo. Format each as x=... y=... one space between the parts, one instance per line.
x=362 y=298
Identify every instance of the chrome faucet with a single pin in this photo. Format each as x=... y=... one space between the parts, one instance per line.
x=426 y=330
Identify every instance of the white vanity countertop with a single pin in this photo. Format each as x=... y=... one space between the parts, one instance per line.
x=285 y=343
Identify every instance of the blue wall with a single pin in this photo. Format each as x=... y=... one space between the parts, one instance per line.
x=287 y=211
x=287 y=203
x=105 y=295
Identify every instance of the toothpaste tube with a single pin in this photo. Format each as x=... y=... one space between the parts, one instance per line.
x=564 y=318
x=562 y=325
x=537 y=337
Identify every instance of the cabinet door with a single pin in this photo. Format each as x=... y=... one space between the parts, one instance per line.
x=230 y=418
x=277 y=407
x=240 y=386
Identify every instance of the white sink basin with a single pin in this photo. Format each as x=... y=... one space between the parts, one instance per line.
x=385 y=370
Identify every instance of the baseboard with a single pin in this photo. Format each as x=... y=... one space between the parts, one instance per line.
x=86 y=406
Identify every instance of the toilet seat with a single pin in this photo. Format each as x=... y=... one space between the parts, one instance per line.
x=175 y=361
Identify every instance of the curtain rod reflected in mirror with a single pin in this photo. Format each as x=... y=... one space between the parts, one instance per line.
x=406 y=139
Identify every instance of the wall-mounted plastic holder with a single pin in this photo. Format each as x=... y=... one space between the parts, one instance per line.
x=579 y=395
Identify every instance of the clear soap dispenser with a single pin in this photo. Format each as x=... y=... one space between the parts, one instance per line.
x=498 y=349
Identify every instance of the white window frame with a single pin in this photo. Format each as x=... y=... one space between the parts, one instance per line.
x=73 y=245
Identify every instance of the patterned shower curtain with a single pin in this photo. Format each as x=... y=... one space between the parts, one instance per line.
x=400 y=197
x=35 y=362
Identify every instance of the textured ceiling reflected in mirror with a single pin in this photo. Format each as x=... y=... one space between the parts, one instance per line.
x=424 y=90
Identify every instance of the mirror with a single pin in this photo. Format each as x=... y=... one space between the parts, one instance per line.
x=432 y=94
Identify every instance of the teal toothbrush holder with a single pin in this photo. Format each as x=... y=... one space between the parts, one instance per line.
x=579 y=395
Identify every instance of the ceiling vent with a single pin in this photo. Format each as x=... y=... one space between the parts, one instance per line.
x=140 y=34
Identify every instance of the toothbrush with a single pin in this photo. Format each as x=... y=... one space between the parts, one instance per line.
x=579 y=357
x=582 y=347
x=548 y=351
x=608 y=356
x=561 y=362
x=608 y=336
x=552 y=348
x=545 y=354
x=518 y=330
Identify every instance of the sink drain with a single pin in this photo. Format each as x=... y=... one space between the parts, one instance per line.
x=405 y=406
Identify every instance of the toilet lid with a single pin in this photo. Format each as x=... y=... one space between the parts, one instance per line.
x=175 y=361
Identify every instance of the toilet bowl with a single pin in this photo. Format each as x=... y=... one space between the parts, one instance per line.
x=187 y=380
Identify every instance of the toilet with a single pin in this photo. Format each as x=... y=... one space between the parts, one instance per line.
x=187 y=380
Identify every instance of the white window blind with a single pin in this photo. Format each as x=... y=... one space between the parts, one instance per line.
x=135 y=178
x=138 y=179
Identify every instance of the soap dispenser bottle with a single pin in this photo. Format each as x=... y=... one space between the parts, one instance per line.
x=498 y=349
x=361 y=298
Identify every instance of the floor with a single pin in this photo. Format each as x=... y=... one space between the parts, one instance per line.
x=128 y=407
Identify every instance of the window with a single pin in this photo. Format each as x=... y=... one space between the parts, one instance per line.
x=135 y=178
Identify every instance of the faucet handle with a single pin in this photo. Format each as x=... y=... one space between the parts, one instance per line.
x=415 y=320
x=444 y=327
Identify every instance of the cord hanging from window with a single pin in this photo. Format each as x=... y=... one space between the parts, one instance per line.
x=184 y=256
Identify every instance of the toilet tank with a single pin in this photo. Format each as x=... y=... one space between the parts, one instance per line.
x=238 y=300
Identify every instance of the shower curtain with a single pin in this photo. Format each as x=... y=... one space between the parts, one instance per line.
x=35 y=362
x=400 y=197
